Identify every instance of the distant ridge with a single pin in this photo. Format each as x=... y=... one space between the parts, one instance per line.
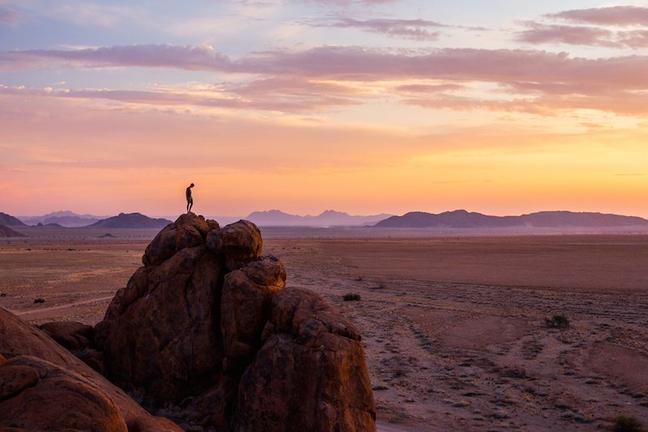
x=5 y=231
x=325 y=219
x=130 y=220
x=8 y=220
x=545 y=219
x=64 y=218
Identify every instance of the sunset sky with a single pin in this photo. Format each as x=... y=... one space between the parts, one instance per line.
x=365 y=106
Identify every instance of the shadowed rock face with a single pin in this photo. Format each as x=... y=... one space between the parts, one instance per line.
x=207 y=327
x=44 y=387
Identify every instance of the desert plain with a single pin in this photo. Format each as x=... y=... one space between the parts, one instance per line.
x=453 y=325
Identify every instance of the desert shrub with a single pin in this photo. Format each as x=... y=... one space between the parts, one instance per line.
x=351 y=297
x=557 y=321
x=39 y=300
x=627 y=424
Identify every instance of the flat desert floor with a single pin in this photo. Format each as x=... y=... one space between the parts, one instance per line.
x=454 y=327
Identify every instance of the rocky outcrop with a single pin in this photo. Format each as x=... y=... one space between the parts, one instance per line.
x=204 y=332
x=309 y=372
x=207 y=329
x=44 y=387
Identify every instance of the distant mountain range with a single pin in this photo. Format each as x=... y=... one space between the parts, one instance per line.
x=64 y=218
x=8 y=220
x=130 y=220
x=5 y=231
x=327 y=218
x=546 y=219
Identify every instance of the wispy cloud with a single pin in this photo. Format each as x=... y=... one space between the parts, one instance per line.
x=416 y=29
x=612 y=16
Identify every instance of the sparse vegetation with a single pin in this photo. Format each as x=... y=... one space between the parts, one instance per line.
x=627 y=424
x=351 y=297
x=3 y=294
x=39 y=300
x=558 y=322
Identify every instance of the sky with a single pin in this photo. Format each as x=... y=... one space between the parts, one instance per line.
x=365 y=106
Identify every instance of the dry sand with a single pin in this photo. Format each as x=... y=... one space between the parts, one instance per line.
x=454 y=327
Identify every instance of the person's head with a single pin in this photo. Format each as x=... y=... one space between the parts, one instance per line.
x=191 y=185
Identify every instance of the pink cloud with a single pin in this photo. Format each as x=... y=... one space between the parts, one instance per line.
x=574 y=35
x=615 y=15
x=7 y=16
x=416 y=29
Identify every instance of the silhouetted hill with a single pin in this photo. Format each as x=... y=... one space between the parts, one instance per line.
x=546 y=219
x=130 y=220
x=64 y=218
x=5 y=231
x=8 y=220
x=324 y=219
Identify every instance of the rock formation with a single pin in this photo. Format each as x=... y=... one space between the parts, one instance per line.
x=35 y=371
x=207 y=326
x=205 y=332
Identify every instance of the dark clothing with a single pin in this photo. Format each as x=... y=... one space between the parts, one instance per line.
x=189 y=198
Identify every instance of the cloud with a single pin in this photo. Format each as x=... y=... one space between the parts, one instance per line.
x=355 y=63
x=612 y=16
x=322 y=78
x=416 y=29
x=538 y=33
x=7 y=16
x=273 y=94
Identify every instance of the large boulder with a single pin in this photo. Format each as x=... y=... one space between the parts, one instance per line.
x=45 y=387
x=314 y=355
x=160 y=335
x=245 y=307
x=187 y=231
x=38 y=395
x=78 y=338
x=240 y=243
x=207 y=331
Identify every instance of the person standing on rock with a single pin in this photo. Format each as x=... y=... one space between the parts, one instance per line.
x=189 y=198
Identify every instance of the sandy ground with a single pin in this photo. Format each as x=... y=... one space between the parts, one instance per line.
x=453 y=327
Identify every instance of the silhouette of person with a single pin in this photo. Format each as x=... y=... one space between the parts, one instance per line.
x=189 y=198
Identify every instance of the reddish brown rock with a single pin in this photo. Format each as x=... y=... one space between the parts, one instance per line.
x=78 y=338
x=160 y=334
x=71 y=335
x=245 y=307
x=310 y=373
x=43 y=396
x=27 y=348
x=187 y=231
x=240 y=243
x=206 y=330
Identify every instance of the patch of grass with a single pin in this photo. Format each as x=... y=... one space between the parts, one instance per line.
x=557 y=322
x=351 y=297
x=627 y=424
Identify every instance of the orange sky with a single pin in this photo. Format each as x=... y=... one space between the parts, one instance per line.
x=384 y=123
